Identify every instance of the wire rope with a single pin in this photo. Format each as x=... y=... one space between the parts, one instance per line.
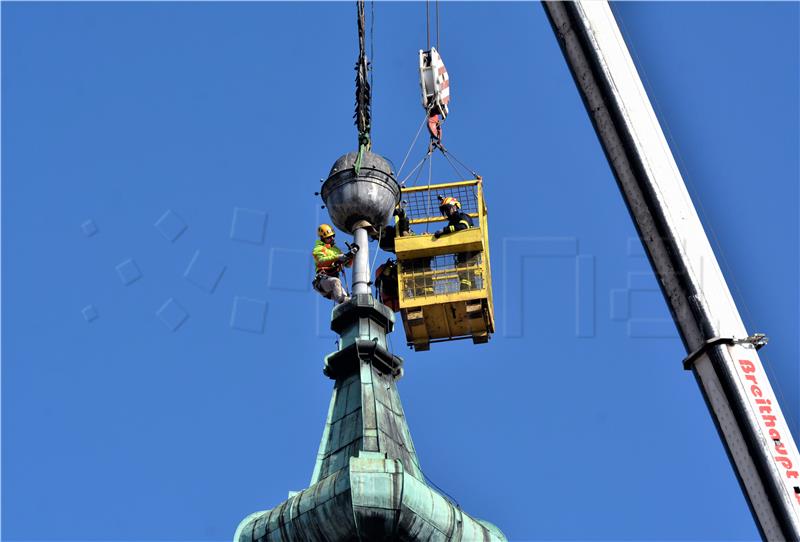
x=428 y=199
x=469 y=169
x=371 y=43
x=428 y=22
x=437 y=26
x=458 y=173
x=413 y=143
x=417 y=167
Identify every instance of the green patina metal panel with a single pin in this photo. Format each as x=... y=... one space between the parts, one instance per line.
x=366 y=483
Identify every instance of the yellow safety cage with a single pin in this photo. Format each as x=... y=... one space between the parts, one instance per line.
x=445 y=284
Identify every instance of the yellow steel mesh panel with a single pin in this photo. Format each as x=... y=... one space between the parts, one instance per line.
x=424 y=204
x=438 y=275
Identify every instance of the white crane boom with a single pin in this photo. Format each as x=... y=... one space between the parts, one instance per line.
x=721 y=354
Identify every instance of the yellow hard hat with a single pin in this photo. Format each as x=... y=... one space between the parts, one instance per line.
x=446 y=202
x=324 y=231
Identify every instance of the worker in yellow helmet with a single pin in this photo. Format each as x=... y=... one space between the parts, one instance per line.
x=458 y=220
x=329 y=261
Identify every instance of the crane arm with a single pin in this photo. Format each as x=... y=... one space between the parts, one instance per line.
x=721 y=354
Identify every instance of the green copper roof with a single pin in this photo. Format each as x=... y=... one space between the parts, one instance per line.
x=367 y=483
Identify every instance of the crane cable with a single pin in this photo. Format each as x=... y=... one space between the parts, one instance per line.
x=363 y=90
x=428 y=23
x=437 y=25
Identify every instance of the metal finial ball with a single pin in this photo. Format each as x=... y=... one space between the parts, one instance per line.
x=370 y=195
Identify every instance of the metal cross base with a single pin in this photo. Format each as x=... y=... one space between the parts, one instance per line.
x=367 y=482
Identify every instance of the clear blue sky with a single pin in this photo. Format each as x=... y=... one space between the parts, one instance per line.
x=121 y=429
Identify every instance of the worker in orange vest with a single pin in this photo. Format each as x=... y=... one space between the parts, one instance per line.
x=329 y=260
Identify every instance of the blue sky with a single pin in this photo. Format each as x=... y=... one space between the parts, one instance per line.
x=191 y=137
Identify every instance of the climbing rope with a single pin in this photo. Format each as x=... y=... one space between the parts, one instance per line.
x=345 y=285
x=377 y=249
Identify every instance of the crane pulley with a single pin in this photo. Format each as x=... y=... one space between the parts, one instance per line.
x=435 y=84
x=433 y=80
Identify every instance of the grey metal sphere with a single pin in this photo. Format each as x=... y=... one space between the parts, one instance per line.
x=371 y=195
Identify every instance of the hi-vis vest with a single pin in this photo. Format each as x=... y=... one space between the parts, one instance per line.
x=325 y=257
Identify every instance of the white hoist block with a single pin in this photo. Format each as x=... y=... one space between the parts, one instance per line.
x=435 y=82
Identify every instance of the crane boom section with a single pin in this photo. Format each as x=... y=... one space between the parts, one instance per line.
x=725 y=364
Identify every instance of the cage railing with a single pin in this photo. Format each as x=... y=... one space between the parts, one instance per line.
x=443 y=275
x=452 y=271
x=437 y=272
x=422 y=206
x=444 y=282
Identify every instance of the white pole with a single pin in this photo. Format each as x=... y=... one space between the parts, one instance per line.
x=361 y=263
